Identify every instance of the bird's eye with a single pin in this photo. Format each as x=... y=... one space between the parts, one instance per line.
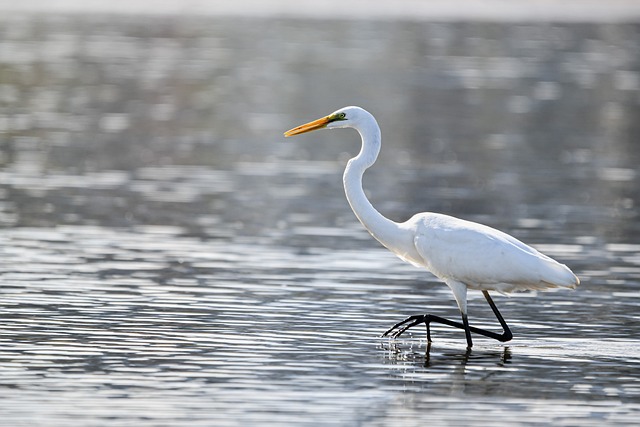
x=341 y=116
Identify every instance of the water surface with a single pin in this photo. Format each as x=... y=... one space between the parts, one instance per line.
x=168 y=259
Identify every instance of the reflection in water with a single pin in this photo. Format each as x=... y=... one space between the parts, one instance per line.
x=450 y=366
x=166 y=259
x=396 y=354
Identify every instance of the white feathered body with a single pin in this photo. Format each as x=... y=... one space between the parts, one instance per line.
x=476 y=255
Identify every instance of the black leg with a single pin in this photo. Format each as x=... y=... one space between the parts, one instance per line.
x=411 y=321
x=467 y=331
x=506 y=332
x=399 y=328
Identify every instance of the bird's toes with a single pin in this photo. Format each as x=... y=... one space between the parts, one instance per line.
x=397 y=333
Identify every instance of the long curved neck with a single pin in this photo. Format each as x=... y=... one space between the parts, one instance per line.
x=383 y=229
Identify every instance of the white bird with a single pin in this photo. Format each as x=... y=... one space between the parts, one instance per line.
x=463 y=254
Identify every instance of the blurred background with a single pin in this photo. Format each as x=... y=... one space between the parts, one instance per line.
x=155 y=225
x=524 y=113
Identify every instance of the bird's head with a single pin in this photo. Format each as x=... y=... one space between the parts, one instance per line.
x=343 y=118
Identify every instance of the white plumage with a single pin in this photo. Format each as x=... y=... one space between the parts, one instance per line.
x=483 y=257
x=463 y=254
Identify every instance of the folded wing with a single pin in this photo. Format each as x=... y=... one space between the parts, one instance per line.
x=485 y=258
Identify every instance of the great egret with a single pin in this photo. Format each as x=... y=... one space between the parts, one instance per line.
x=463 y=254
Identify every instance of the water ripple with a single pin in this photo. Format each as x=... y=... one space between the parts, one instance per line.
x=167 y=260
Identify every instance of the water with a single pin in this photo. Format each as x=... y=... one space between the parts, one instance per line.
x=168 y=259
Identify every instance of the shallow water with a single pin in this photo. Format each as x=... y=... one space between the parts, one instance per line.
x=168 y=259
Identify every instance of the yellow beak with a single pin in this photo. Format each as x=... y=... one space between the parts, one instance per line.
x=308 y=127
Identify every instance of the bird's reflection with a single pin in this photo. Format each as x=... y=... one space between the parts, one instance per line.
x=395 y=353
x=448 y=369
x=471 y=355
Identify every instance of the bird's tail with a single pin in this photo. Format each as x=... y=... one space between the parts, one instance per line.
x=562 y=277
